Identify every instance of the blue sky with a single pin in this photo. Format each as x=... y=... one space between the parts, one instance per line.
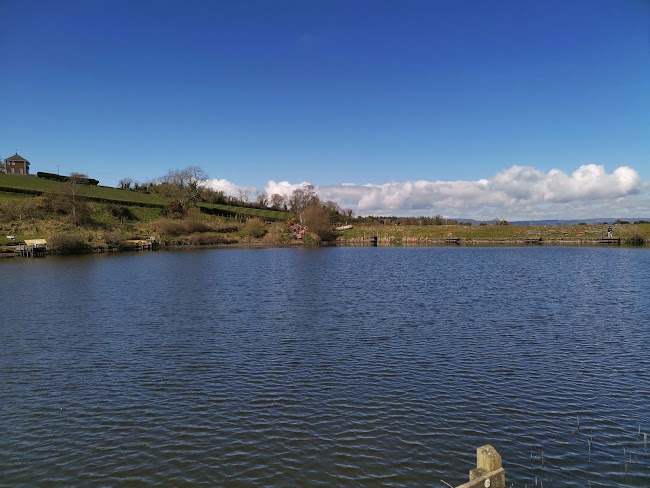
x=377 y=94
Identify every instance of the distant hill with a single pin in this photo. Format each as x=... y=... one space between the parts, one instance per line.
x=608 y=220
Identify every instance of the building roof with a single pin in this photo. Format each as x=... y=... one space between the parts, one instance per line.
x=36 y=242
x=17 y=158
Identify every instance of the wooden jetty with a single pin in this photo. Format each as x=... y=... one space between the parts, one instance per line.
x=613 y=241
x=533 y=240
x=32 y=248
x=148 y=244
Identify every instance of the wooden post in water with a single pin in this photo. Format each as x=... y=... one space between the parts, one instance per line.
x=489 y=472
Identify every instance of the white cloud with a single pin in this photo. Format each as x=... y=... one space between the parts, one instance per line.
x=519 y=192
x=516 y=193
x=283 y=188
x=229 y=188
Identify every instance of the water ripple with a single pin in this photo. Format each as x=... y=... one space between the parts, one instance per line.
x=332 y=367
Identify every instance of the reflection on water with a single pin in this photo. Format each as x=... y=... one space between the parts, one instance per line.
x=323 y=367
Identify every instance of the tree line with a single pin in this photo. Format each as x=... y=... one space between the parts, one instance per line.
x=184 y=188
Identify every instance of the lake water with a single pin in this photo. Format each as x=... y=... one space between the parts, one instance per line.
x=326 y=367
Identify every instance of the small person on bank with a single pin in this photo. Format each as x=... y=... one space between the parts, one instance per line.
x=609 y=231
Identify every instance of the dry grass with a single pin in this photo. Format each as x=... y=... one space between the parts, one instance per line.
x=496 y=232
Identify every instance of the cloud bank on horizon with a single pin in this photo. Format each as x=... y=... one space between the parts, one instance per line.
x=516 y=193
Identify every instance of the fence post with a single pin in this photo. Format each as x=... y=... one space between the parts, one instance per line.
x=489 y=472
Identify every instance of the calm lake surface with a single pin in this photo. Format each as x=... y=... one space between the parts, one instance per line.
x=326 y=367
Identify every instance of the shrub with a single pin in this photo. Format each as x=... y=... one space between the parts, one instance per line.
x=311 y=238
x=316 y=219
x=67 y=243
x=51 y=176
x=227 y=227
x=193 y=222
x=635 y=240
x=116 y=239
x=78 y=178
x=255 y=228
x=169 y=227
x=174 y=209
x=121 y=212
x=18 y=209
x=204 y=239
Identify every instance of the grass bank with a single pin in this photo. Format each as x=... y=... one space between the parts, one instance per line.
x=410 y=234
x=22 y=186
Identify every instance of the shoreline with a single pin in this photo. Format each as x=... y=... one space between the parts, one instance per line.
x=381 y=242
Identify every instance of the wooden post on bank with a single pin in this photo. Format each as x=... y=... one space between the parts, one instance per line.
x=489 y=472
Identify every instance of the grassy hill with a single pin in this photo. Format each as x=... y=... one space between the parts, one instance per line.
x=17 y=184
x=37 y=186
x=232 y=210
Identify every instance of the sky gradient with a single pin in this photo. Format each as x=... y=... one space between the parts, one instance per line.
x=388 y=107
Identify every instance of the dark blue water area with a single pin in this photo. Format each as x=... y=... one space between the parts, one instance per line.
x=326 y=367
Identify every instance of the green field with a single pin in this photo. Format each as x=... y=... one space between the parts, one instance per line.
x=33 y=185
x=41 y=185
x=249 y=212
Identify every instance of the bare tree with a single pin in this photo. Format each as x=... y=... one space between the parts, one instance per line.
x=78 y=206
x=185 y=185
x=244 y=195
x=261 y=200
x=301 y=198
x=125 y=183
x=278 y=202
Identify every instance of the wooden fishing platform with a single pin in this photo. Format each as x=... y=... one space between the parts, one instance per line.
x=613 y=241
x=533 y=240
x=148 y=244
x=32 y=248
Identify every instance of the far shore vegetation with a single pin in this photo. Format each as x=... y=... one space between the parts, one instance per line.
x=75 y=214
